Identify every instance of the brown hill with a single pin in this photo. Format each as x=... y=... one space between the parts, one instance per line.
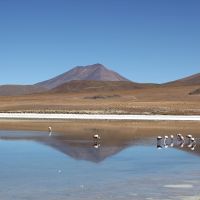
x=98 y=86
x=96 y=72
x=15 y=90
x=190 y=80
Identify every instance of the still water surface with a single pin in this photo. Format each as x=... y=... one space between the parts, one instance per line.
x=34 y=165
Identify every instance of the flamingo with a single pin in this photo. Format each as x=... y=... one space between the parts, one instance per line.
x=97 y=137
x=172 y=140
x=165 y=141
x=50 y=130
x=159 y=146
x=192 y=144
x=180 y=137
x=189 y=137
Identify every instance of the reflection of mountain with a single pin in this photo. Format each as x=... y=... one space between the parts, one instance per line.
x=82 y=147
x=84 y=150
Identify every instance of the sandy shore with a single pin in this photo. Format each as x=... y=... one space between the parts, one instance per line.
x=84 y=127
x=38 y=116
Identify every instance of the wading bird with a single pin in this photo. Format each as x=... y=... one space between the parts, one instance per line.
x=159 y=138
x=50 y=130
x=172 y=140
x=192 y=143
x=96 y=137
x=159 y=146
x=165 y=141
x=180 y=137
x=189 y=137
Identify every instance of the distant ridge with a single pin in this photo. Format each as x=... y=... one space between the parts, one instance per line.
x=96 y=72
x=16 y=90
x=189 y=80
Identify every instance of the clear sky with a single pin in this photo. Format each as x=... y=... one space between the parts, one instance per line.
x=144 y=40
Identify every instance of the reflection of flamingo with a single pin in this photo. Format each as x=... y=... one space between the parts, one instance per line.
x=193 y=146
x=159 y=146
x=96 y=145
x=182 y=144
x=189 y=145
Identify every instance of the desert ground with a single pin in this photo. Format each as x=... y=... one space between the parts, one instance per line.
x=151 y=100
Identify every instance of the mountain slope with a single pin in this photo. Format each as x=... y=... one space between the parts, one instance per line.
x=96 y=72
x=190 y=80
x=97 y=86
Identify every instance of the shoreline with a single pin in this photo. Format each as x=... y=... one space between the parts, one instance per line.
x=41 y=116
x=117 y=128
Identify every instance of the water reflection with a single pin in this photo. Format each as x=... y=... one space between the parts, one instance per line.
x=80 y=147
x=92 y=147
x=121 y=166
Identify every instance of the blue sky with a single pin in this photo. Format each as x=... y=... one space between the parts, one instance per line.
x=144 y=40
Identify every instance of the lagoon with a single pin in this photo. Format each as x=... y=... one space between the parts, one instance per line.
x=35 y=165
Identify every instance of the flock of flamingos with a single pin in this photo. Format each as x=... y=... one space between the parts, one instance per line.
x=180 y=140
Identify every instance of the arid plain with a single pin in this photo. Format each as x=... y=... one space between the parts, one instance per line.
x=154 y=100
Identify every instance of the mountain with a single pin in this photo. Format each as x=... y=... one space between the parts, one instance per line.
x=190 y=80
x=15 y=90
x=97 y=86
x=95 y=78
x=95 y=72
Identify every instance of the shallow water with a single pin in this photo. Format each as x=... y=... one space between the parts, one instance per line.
x=35 y=165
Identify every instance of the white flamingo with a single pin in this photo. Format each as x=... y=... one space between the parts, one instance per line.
x=165 y=141
x=180 y=137
x=159 y=146
x=159 y=138
x=192 y=144
x=189 y=137
x=172 y=140
x=96 y=137
x=50 y=130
